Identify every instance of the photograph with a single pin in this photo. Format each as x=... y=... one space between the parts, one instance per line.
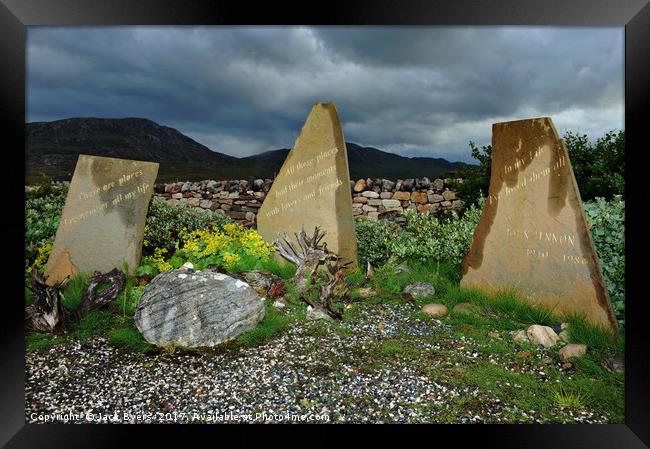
x=287 y=224
x=428 y=217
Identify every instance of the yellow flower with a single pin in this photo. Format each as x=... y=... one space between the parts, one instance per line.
x=230 y=259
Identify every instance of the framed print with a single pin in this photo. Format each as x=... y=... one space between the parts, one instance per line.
x=425 y=213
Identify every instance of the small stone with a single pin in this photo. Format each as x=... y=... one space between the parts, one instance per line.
x=387 y=185
x=542 y=335
x=494 y=334
x=420 y=289
x=366 y=292
x=177 y=196
x=187 y=266
x=279 y=304
x=438 y=185
x=402 y=196
x=564 y=336
x=391 y=203
x=317 y=314
x=373 y=216
x=359 y=200
x=360 y=185
x=408 y=184
x=368 y=208
x=519 y=336
x=435 y=310
x=419 y=197
x=386 y=195
x=572 y=350
x=435 y=198
x=370 y=194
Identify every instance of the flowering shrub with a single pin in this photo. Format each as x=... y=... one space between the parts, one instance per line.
x=231 y=247
x=42 y=215
x=607 y=225
x=164 y=222
x=44 y=250
x=225 y=247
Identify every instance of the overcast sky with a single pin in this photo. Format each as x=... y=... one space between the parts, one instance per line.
x=415 y=91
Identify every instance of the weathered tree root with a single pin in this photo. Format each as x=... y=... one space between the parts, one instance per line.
x=308 y=255
x=47 y=314
x=95 y=299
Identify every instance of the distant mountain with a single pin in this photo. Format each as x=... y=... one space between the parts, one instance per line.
x=367 y=162
x=53 y=147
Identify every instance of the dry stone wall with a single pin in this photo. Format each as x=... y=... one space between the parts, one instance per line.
x=371 y=198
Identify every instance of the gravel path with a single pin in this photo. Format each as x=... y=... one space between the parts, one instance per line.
x=311 y=373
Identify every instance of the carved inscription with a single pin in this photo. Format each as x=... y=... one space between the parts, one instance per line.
x=313 y=187
x=102 y=224
x=533 y=235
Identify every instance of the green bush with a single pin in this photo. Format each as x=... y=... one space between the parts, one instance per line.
x=165 y=222
x=599 y=167
x=42 y=215
x=373 y=240
x=607 y=225
x=425 y=238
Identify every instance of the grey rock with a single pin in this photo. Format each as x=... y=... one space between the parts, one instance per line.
x=196 y=309
x=186 y=187
x=438 y=185
x=370 y=194
x=420 y=289
x=258 y=184
x=408 y=184
x=402 y=268
x=317 y=314
x=387 y=185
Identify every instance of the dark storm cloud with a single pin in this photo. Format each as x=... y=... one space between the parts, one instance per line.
x=410 y=90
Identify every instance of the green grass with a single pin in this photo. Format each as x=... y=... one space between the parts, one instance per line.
x=127 y=299
x=36 y=341
x=273 y=323
x=129 y=338
x=74 y=291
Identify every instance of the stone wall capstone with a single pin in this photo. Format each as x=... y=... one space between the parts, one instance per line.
x=372 y=199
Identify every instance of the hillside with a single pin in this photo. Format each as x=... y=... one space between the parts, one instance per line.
x=53 y=147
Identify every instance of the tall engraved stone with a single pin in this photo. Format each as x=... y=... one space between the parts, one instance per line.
x=313 y=187
x=533 y=235
x=102 y=225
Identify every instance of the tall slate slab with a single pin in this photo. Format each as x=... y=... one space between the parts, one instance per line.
x=313 y=187
x=533 y=235
x=102 y=225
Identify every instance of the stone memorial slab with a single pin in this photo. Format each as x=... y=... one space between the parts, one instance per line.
x=102 y=225
x=313 y=187
x=533 y=235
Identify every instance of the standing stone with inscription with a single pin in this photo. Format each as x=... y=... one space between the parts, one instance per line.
x=313 y=187
x=533 y=235
x=102 y=225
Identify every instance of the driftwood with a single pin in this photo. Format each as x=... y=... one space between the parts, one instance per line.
x=46 y=313
x=308 y=255
x=94 y=299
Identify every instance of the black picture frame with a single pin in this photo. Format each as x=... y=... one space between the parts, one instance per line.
x=15 y=15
